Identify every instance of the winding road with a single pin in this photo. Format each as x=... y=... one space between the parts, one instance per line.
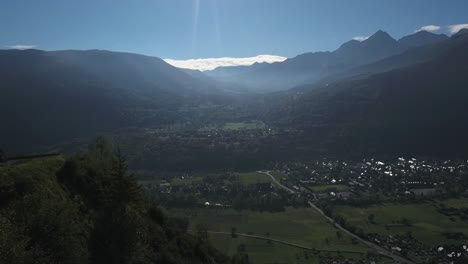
x=379 y=249
x=276 y=181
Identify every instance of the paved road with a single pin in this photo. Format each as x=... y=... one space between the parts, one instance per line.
x=380 y=250
x=276 y=181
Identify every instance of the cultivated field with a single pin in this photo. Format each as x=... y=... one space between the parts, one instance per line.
x=426 y=223
x=299 y=226
x=335 y=187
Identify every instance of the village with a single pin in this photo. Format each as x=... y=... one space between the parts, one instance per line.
x=334 y=185
x=392 y=179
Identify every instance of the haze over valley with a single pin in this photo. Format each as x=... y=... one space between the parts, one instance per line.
x=234 y=132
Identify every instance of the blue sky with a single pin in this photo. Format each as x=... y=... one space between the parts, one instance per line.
x=183 y=29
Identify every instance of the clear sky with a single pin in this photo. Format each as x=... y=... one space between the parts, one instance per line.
x=183 y=29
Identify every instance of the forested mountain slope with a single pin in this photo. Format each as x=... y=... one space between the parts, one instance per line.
x=420 y=109
x=47 y=97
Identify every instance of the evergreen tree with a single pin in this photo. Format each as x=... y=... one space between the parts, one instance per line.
x=2 y=155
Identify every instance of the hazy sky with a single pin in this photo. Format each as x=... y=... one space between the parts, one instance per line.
x=183 y=29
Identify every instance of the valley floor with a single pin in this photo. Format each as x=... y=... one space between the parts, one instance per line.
x=303 y=227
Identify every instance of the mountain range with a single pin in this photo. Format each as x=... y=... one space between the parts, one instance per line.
x=312 y=67
x=47 y=97
x=379 y=95
x=416 y=110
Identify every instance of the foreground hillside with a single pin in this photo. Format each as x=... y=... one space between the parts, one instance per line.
x=88 y=209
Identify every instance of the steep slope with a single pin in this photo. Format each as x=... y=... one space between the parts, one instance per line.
x=376 y=47
x=412 y=56
x=462 y=31
x=324 y=67
x=88 y=209
x=311 y=67
x=421 y=38
x=134 y=70
x=47 y=97
x=416 y=110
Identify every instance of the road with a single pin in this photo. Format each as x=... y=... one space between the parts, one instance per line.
x=263 y=238
x=281 y=242
x=276 y=181
x=380 y=250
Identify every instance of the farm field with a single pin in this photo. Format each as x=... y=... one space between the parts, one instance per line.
x=322 y=188
x=253 y=178
x=245 y=178
x=300 y=226
x=278 y=175
x=426 y=223
x=243 y=126
x=185 y=181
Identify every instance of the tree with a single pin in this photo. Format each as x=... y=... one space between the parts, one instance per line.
x=2 y=156
x=409 y=234
x=405 y=221
x=371 y=218
x=240 y=258
x=268 y=236
x=202 y=232
x=339 y=235
x=241 y=248
x=89 y=209
x=123 y=187
x=233 y=232
x=115 y=236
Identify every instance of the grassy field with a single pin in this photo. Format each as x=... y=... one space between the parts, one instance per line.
x=278 y=175
x=323 y=188
x=259 y=251
x=242 y=126
x=300 y=226
x=186 y=181
x=427 y=224
x=247 y=178
x=456 y=203
x=253 y=178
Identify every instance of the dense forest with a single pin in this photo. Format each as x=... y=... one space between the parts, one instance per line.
x=87 y=208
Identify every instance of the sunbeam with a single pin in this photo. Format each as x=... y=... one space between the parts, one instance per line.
x=196 y=12
x=219 y=43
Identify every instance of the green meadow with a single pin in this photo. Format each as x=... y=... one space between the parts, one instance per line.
x=303 y=227
x=426 y=223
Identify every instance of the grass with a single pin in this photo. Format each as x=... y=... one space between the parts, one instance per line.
x=185 y=181
x=247 y=178
x=331 y=187
x=259 y=251
x=242 y=126
x=37 y=174
x=278 y=175
x=253 y=178
x=428 y=225
x=301 y=226
x=456 y=203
